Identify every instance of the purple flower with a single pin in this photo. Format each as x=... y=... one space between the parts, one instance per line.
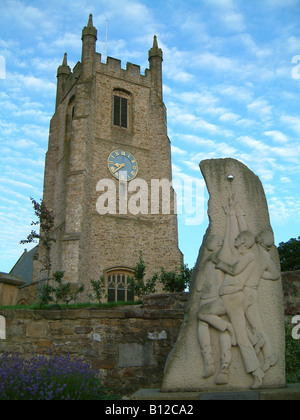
x=50 y=377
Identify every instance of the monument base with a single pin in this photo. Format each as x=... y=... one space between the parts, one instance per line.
x=289 y=393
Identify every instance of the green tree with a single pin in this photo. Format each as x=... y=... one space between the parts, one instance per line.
x=44 y=236
x=176 y=281
x=60 y=292
x=63 y=291
x=137 y=284
x=289 y=253
x=98 y=287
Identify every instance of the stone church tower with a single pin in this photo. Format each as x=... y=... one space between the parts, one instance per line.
x=108 y=147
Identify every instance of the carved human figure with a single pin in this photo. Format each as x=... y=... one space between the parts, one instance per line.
x=211 y=309
x=233 y=299
x=237 y=261
x=266 y=269
x=228 y=283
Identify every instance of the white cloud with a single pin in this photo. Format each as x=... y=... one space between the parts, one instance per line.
x=179 y=115
x=28 y=17
x=284 y=210
x=177 y=151
x=292 y=122
x=21 y=81
x=288 y=152
x=192 y=165
x=236 y=93
x=215 y=62
x=277 y=136
x=229 y=117
x=285 y=180
x=234 y=21
x=261 y=108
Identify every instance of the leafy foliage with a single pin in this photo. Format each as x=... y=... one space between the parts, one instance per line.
x=98 y=287
x=176 y=281
x=61 y=293
x=173 y=281
x=137 y=284
x=44 y=236
x=289 y=253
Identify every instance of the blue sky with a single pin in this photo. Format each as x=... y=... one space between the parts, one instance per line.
x=231 y=86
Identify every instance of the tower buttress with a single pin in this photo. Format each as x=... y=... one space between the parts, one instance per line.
x=155 y=60
x=89 y=38
x=63 y=72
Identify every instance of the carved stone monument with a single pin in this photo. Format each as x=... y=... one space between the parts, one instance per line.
x=232 y=337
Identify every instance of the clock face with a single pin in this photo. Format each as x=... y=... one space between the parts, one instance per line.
x=122 y=165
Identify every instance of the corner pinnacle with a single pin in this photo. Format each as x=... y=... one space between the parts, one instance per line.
x=65 y=60
x=155 y=51
x=90 y=22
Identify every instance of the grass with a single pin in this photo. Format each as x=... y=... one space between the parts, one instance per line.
x=86 y=305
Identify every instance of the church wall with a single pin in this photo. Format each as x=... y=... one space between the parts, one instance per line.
x=128 y=346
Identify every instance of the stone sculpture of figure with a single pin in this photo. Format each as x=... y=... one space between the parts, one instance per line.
x=266 y=269
x=211 y=307
x=233 y=300
x=237 y=261
x=230 y=298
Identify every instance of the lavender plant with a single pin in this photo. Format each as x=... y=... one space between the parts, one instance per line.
x=49 y=378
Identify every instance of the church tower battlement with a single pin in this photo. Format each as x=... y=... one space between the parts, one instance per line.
x=91 y=63
x=110 y=123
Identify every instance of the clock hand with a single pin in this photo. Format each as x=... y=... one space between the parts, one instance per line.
x=119 y=167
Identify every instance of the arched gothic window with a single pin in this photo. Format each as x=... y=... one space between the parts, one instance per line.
x=117 y=285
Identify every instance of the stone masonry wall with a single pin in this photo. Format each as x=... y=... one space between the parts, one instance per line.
x=128 y=345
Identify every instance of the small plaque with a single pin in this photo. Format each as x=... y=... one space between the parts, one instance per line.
x=233 y=396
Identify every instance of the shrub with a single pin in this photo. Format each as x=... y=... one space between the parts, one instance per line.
x=137 y=284
x=98 y=287
x=62 y=292
x=176 y=281
x=49 y=378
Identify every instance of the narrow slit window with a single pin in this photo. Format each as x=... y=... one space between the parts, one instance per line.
x=120 y=111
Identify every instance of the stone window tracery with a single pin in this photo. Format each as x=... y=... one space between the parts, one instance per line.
x=117 y=285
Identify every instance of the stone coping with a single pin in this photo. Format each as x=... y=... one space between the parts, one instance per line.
x=123 y=312
x=11 y=280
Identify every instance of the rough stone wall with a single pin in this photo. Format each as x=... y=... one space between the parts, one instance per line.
x=129 y=346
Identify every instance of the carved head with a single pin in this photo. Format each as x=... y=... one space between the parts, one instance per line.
x=245 y=239
x=265 y=239
x=214 y=243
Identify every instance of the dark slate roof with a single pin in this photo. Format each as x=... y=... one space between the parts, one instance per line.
x=24 y=266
